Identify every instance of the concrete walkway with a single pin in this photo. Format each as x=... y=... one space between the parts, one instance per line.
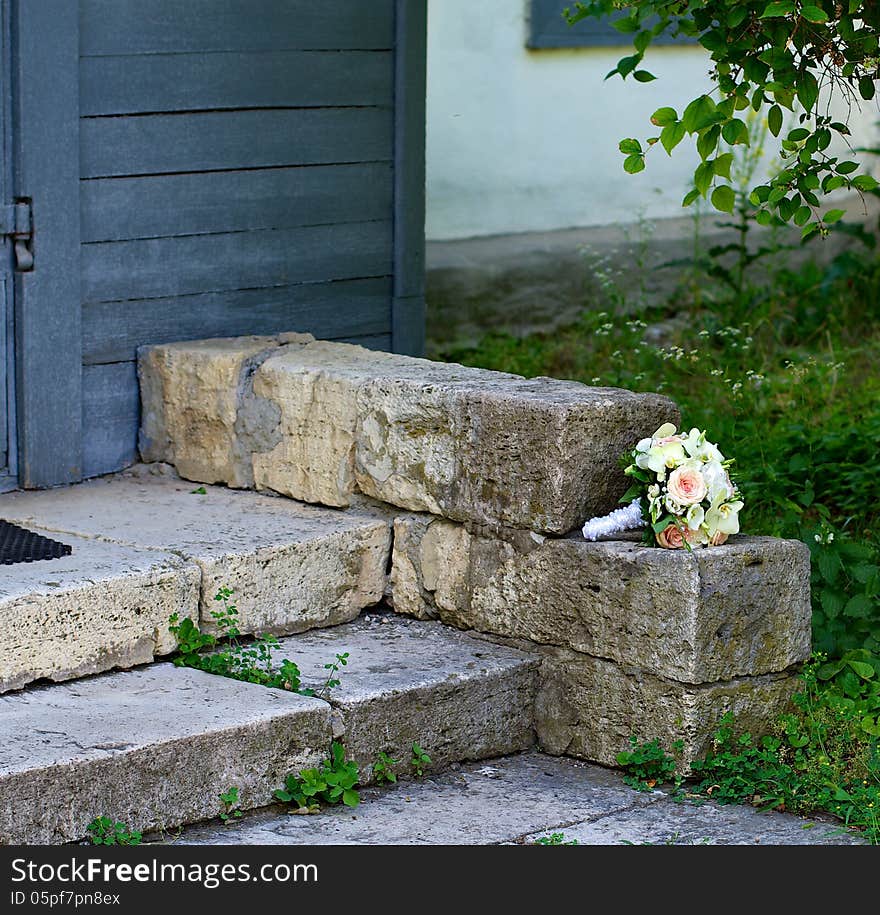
x=519 y=799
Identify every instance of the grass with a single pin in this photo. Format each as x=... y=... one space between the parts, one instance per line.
x=784 y=376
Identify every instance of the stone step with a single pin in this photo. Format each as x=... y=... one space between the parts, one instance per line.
x=154 y=747
x=147 y=546
x=458 y=697
x=320 y=421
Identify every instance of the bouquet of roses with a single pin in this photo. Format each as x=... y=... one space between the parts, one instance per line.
x=681 y=492
x=686 y=494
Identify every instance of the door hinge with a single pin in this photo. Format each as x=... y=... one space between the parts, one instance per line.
x=17 y=223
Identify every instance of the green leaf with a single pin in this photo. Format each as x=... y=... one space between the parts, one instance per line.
x=672 y=135
x=774 y=120
x=809 y=230
x=833 y=216
x=629 y=146
x=735 y=132
x=847 y=168
x=708 y=141
x=862 y=182
x=634 y=164
x=643 y=76
x=350 y=797
x=690 y=197
x=703 y=177
x=867 y=87
x=802 y=216
x=723 y=198
x=814 y=14
x=664 y=117
x=865 y=671
x=777 y=9
x=722 y=165
x=807 y=90
x=699 y=114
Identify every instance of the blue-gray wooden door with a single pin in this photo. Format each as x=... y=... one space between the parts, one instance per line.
x=221 y=167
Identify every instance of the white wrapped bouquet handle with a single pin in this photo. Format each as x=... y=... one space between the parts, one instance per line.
x=628 y=518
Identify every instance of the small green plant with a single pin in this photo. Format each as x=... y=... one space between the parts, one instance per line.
x=230 y=800
x=332 y=668
x=420 y=760
x=555 y=838
x=201 y=491
x=383 y=768
x=647 y=764
x=333 y=782
x=107 y=831
x=252 y=662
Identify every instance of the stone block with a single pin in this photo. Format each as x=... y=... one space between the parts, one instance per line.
x=103 y=606
x=151 y=748
x=460 y=698
x=290 y=565
x=589 y=708
x=711 y=614
x=320 y=421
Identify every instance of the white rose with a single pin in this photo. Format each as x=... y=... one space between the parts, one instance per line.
x=718 y=483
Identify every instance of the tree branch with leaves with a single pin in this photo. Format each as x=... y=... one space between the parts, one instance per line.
x=772 y=57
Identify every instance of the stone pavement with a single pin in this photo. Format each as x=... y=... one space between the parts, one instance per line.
x=516 y=800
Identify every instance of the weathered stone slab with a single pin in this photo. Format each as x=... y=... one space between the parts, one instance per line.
x=460 y=698
x=713 y=614
x=103 y=606
x=464 y=443
x=589 y=708
x=152 y=748
x=291 y=566
x=671 y=822
x=476 y=804
x=319 y=421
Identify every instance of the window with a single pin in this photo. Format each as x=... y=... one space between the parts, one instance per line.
x=548 y=29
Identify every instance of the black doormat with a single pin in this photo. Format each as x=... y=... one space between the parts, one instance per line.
x=19 y=545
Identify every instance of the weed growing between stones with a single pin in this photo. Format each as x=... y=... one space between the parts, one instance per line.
x=383 y=769
x=251 y=662
x=555 y=838
x=229 y=801
x=420 y=760
x=107 y=831
x=646 y=764
x=333 y=782
x=822 y=756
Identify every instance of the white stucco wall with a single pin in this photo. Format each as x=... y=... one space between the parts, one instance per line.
x=521 y=140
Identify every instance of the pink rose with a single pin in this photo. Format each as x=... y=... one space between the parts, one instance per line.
x=687 y=486
x=670 y=538
x=718 y=538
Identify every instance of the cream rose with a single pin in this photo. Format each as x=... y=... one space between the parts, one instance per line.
x=687 y=486
x=670 y=538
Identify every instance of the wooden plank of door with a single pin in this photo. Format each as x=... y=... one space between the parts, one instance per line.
x=157 y=267
x=209 y=82
x=112 y=331
x=157 y=206
x=408 y=309
x=47 y=321
x=151 y=26
x=201 y=141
